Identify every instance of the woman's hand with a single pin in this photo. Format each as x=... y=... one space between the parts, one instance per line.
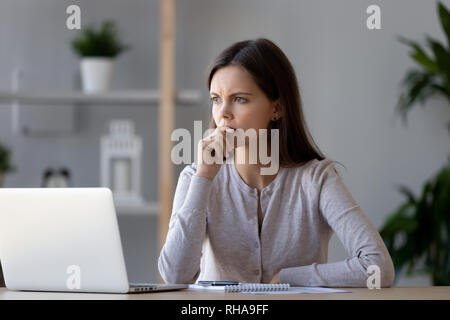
x=216 y=142
x=276 y=278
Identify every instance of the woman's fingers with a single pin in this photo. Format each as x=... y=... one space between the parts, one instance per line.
x=229 y=138
x=220 y=141
x=218 y=146
x=225 y=134
x=211 y=148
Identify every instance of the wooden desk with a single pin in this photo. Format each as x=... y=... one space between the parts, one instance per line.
x=396 y=293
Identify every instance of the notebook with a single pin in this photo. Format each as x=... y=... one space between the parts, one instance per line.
x=243 y=287
x=262 y=288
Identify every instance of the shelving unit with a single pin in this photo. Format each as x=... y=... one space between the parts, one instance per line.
x=130 y=97
x=143 y=98
x=165 y=98
x=166 y=116
x=147 y=209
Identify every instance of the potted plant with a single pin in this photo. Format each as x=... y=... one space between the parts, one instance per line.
x=98 y=49
x=5 y=166
x=5 y=162
x=417 y=233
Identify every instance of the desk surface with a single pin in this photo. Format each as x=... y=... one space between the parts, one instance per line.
x=396 y=293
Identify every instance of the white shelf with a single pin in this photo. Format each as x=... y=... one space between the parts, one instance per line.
x=130 y=97
x=146 y=209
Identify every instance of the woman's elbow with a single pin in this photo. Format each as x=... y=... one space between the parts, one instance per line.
x=380 y=274
x=177 y=278
x=174 y=275
x=387 y=274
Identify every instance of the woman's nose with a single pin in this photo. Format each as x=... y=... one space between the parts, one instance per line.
x=225 y=110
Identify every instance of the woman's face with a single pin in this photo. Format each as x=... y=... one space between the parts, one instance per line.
x=238 y=102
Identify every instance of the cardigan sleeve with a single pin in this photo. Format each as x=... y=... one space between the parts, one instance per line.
x=360 y=238
x=179 y=260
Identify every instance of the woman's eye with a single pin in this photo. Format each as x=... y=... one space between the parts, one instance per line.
x=238 y=99
x=214 y=99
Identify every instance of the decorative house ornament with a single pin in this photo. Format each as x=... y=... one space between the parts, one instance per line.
x=120 y=166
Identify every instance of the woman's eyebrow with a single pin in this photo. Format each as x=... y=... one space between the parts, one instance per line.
x=233 y=94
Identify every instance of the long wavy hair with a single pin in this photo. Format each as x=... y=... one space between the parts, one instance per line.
x=275 y=76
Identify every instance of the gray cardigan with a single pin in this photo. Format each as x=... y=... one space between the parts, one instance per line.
x=213 y=231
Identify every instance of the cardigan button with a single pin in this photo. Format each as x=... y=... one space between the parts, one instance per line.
x=256 y=271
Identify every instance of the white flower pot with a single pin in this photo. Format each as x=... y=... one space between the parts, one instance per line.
x=96 y=73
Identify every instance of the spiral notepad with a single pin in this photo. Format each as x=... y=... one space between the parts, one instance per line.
x=244 y=287
x=257 y=287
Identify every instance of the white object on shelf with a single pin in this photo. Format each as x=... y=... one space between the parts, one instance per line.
x=120 y=165
x=121 y=175
x=96 y=73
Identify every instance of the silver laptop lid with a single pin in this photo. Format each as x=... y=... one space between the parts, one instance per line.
x=61 y=239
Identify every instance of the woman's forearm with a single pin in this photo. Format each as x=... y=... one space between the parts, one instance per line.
x=179 y=261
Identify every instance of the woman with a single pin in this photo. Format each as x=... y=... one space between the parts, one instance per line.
x=230 y=222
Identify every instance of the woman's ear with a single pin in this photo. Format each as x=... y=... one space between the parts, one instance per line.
x=276 y=110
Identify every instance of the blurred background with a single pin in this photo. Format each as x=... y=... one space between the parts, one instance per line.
x=349 y=78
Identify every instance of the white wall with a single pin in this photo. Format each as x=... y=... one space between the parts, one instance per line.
x=349 y=78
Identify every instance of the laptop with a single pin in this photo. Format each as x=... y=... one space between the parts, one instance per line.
x=64 y=239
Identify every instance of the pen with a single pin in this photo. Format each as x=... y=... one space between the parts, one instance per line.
x=218 y=283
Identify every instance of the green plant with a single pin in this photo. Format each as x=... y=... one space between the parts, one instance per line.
x=433 y=75
x=5 y=159
x=417 y=233
x=102 y=43
x=420 y=229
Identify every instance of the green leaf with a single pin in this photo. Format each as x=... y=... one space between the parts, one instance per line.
x=424 y=225
x=444 y=17
x=420 y=56
x=99 y=43
x=442 y=57
x=443 y=90
x=434 y=76
x=408 y=194
x=5 y=159
x=416 y=86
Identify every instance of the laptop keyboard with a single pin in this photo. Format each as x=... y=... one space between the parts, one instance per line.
x=144 y=286
x=147 y=287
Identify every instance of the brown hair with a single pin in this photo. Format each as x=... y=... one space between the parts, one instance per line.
x=275 y=76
